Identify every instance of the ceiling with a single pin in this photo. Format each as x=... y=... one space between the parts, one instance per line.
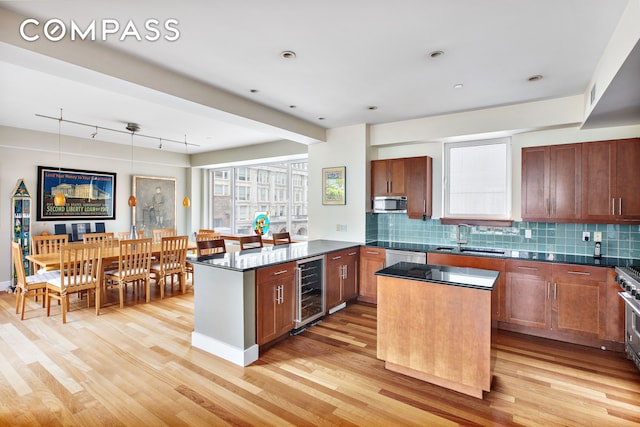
x=357 y=61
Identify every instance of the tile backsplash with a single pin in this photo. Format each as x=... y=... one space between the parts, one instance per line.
x=620 y=241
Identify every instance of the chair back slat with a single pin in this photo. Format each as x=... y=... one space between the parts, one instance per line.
x=80 y=266
x=106 y=240
x=251 y=242
x=281 y=238
x=159 y=233
x=126 y=235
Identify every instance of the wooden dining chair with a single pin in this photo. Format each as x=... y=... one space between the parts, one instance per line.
x=173 y=254
x=281 y=238
x=48 y=245
x=134 y=266
x=159 y=233
x=81 y=271
x=26 y=286
x=251 y=242
x=126 y=235
x=106 y=240
x=211 y=246
x=205 y=231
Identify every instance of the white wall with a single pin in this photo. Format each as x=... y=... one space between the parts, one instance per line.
x=22 y=151
x=346 y=146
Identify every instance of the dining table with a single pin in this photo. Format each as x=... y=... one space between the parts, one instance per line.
x=51 y=261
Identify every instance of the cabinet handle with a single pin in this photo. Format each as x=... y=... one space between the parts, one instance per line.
x=620 y=206
x=336 y=257
x=553 y=207
x=613 y=206
x=373 y=253
x=344 y=271
x=555 y=290
x=424 y=206
x=352 y=253
x=582 y=273
x=277 y=273
x=390 y=186
x=548 y=290
x=527 y=268
x=546 y=207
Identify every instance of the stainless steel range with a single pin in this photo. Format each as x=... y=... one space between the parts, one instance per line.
x=629 y=280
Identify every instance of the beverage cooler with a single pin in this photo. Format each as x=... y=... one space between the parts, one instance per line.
x=309 y=291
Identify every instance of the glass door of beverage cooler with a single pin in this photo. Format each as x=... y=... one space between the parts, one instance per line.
x=310 y=290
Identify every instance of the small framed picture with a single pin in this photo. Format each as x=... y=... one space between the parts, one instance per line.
x=334 y=181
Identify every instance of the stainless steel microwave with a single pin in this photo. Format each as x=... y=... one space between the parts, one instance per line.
x=390 y=204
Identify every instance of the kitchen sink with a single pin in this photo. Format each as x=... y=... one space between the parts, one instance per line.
x=495 y=252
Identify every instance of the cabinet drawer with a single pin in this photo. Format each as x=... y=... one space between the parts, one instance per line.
x=528 y=267
x=373 y=253
x=579 y=272
x=280 y=270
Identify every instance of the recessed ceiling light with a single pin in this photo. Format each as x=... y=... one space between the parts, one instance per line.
x=372 y=107
x=254 y=91
x=535 y=78
x=320 y=118
x=288 y=54
x=292 y=106
x=436 y=54
x=458 y=86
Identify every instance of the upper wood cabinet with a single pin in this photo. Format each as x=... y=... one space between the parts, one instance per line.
x=551 y=183
x=610 y=181
x=418 y=181
x=387 y=177
x=408 y=176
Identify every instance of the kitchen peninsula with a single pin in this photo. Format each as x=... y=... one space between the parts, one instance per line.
x=226 y=296
x=434 y=324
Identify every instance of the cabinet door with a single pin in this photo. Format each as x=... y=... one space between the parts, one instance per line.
x=333 y=284
x=598 y=180
x=627 y=179
x=565 y=178
x=371 y=260
x=579 y=300
x=351 y=274
x=527 y=294
x=396 y=177
x=379 y=178
x=535 y=183
x=275 y=302
x=418 y=183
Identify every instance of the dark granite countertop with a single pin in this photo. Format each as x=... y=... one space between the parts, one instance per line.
x=252 y=259
x=446 y=275
x=508 y=254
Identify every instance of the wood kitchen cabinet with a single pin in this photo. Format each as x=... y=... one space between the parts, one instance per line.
x=372 y=259
x=341 y=277
x=484 y=263
x=610 y=181
x=418 y=182
x=527 y=293
x=387 y=177
x=552 y=183
x=275 y=302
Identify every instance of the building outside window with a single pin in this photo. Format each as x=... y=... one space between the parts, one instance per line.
x=239 y=193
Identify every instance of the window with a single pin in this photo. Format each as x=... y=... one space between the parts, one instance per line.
x=478 y=179
x=241 y=192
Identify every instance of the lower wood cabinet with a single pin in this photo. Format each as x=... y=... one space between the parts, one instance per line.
x=372 y=259
x=275 y=302
x=559 y=301
x=341 y=277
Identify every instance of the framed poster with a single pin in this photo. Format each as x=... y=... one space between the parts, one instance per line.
x=333 y=185
x=88 y=194
x=155 y=203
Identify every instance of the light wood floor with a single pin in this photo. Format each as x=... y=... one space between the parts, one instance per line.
x=136 y=367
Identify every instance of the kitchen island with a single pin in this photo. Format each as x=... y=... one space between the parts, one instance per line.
x=434 y=324
x=225 y=295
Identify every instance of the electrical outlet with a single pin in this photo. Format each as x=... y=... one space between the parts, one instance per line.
x=586 y=236
x=527 y=234
x=597 y=236
x=337 y=227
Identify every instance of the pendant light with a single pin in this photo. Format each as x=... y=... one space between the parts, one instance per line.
x=59 y=199
x=186 y=202
x=133 y=128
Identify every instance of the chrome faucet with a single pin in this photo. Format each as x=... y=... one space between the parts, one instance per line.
x=459 y=241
